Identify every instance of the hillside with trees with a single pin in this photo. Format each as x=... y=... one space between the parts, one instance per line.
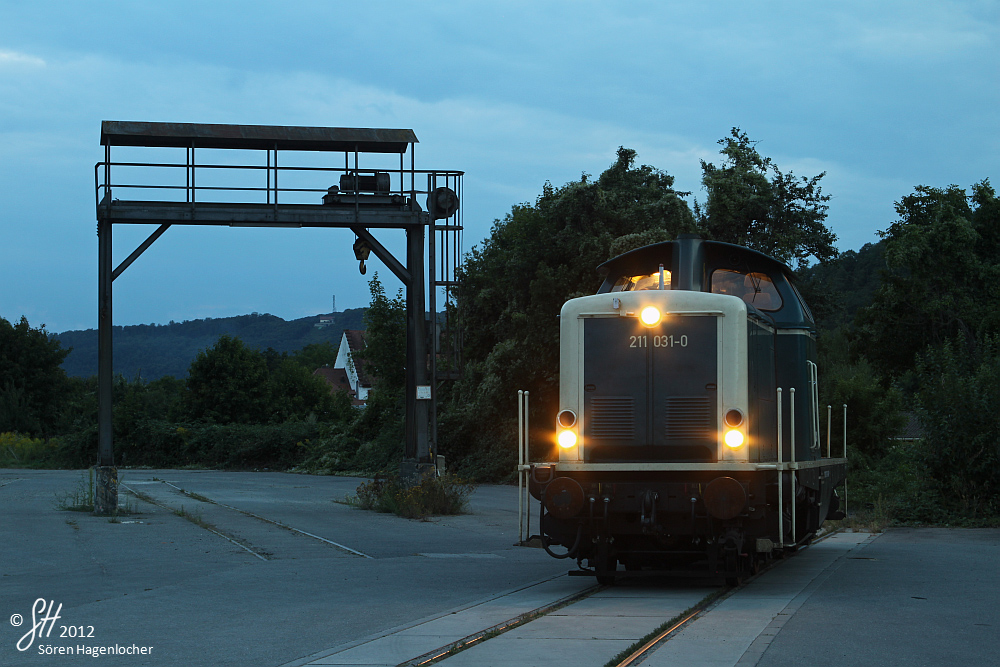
x=152 y=351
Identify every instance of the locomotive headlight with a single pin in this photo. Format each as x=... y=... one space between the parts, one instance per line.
x=567 y=439
x=734 y=439
x=650 y=316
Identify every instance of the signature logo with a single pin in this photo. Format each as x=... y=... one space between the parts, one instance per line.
x=38 y=624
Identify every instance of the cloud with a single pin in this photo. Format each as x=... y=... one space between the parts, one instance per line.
x=13 y=58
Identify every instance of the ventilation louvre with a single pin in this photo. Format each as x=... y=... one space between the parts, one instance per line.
x=689 y=418
x=612 y=418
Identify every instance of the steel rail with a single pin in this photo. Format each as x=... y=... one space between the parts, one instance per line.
x=641 y=653
x=265 y=520
x=146 y=499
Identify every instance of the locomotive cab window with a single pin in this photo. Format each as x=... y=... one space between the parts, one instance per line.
x=756 y=289
x=644 y=282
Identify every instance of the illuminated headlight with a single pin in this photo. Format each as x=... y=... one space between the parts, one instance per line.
x=734 y=439
x=650 y=316
x=567 y=439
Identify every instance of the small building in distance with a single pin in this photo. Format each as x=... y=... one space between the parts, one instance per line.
x=324 y=321
x=343 y=375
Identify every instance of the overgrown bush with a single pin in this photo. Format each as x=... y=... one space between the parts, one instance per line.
x=874 y=414
x=959 y=409
x=21 y=451
x=434 y=495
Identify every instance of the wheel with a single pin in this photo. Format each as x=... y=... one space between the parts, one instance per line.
x=606 y=564
x=610 y=566
x=741 y=566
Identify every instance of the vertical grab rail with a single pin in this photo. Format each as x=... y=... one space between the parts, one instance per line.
x=791 y=408
x=527 y=463
x=814 y=403
x=829 y=415
x=520 y=466
x=845 y=459
x=781 y=481
x=523 y=469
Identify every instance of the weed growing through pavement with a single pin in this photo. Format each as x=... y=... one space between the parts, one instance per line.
x=80 y=499
x=194 y=517
x=447 y=494
x=874 y=517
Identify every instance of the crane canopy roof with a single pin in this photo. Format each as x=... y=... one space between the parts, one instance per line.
x=263 y=137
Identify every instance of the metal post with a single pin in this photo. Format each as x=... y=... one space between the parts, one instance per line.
x=432 y=310
x=106 y=490
x=791 y=408
x=418 y=445
x=845 y=458
x=781 y=481
x=520 y=469
x=527 y=462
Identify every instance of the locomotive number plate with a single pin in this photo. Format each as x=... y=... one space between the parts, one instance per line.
x=667 y=340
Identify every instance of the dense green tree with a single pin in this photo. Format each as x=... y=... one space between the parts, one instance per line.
x=958 y=399
x=836 y=289
x=231 y=383
x=384 y=353
x=295 y=393
x=751 y=202
x=33 y=387
x=228 y=383
x=942 y=278
x=316 y=355
x=512 y=286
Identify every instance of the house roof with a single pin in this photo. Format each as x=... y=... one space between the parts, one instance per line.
x=335 y=377
x=356 y=341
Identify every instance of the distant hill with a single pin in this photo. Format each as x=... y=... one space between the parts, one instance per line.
x=155 y=350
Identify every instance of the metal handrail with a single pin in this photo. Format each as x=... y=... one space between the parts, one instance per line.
x=191 y=187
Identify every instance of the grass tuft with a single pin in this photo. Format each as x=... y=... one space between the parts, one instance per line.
x=81 y=499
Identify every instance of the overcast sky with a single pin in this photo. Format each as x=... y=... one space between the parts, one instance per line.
x=881 y=96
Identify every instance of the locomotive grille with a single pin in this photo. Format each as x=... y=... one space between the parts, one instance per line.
x=612 y=418
x=689 y=417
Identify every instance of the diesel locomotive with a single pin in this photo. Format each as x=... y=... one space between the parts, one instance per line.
x=688 y=427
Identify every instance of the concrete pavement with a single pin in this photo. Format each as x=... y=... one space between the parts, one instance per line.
x=379 y=590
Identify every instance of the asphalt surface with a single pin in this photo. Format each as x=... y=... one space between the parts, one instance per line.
x=156 y=579
x=211 y=583
x=927 y=596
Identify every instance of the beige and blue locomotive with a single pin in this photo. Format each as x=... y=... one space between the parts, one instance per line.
x=688 y=427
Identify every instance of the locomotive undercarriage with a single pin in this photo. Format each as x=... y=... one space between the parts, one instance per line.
x=709 y=522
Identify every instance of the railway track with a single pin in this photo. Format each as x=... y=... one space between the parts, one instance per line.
x=232 y=527
x=475 y=648
x=675 y=625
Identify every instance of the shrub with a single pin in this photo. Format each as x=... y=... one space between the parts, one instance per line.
x=432 y=496
x=21 y=451
x=958 y=399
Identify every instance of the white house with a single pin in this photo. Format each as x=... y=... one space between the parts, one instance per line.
x=353 y=340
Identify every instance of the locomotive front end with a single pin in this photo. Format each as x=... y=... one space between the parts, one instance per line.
x=655 y=389
x=672 y=452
